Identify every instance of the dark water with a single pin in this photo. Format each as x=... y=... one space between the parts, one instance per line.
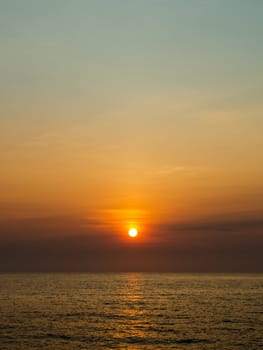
x=131 y=311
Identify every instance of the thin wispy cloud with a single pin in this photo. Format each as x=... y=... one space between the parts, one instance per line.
x=178 y=169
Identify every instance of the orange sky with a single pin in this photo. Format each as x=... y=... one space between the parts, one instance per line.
x=143 y=115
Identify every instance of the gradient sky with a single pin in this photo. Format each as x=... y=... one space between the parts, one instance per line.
x=119 y=113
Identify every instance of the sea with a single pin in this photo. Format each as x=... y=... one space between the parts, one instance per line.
x=131 y=311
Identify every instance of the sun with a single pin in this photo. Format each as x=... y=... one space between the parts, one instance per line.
x=133 y=232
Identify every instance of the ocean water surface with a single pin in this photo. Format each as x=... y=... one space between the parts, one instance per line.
x=130 y=311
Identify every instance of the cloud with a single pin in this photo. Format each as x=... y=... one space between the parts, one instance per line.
x=217 y=225
x=172 y=169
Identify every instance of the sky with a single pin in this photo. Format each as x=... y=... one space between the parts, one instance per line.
x=118 y=114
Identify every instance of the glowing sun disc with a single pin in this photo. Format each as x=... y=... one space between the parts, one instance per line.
x=133 y=232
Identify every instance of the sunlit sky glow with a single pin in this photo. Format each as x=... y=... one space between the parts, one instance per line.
x=119 y=113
